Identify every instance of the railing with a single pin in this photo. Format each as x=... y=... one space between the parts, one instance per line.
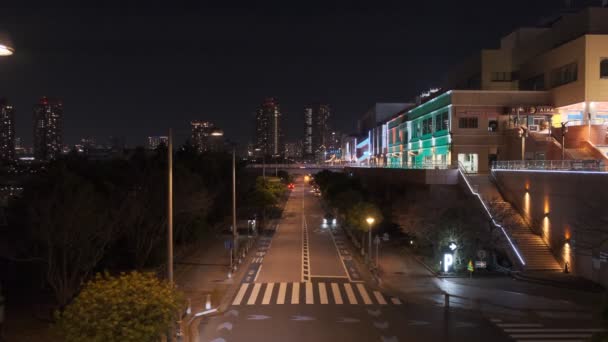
x=552 y=165
x=475 y=192
x=296 y=166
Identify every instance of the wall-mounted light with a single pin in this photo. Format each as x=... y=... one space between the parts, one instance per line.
x=547 y=214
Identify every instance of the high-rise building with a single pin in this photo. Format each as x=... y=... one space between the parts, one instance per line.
x=268 y=134
x=157 y=140
x=206 y=137
x=293 y=150
x=7 y=132
x=317 y=131
x=48 y=129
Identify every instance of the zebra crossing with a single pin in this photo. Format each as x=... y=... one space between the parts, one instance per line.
x=532 y=332
x=310 y=293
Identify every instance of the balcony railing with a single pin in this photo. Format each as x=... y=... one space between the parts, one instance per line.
x=552 y=165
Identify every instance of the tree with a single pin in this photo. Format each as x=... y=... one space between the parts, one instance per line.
x=129 y=307
x=69 y=225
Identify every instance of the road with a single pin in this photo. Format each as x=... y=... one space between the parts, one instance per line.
x=303 y=285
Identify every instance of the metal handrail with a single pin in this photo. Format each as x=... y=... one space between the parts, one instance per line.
x=551 y=165
x=462 y=171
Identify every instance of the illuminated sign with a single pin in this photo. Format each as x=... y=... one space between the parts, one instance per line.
x=448 y=261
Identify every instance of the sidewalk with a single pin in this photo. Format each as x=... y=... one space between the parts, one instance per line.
x=403 y=275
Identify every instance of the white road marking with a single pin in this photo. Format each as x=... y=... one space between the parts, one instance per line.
x=240 y=294
x=396 y=301
x=282 y=291
x=309 y=294
x=551 y=336
x=295 y=293
x=258 y=273
x=254 y=294
x=335 y=289
x=551 y=330
x=267 y=294
x=520 y=325
x=379 y=298
x=323 y=293
x=350 y=294
x=364 y=295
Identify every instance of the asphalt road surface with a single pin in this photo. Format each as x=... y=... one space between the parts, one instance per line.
x=302 y=285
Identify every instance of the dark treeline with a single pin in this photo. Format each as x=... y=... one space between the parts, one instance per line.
x=78 y=216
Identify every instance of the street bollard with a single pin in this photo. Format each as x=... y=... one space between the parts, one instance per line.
x=446 y=300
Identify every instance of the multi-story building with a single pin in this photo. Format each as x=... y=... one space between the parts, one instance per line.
x=206 y=136
x=316 y=130
x=470 y=127
x=372 y=144
x=293 y=150
x=268 y=133
x=7 y=132
x=48 y=129
x=157 y=140
x=510 y=103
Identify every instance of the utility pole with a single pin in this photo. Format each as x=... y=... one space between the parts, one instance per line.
x=170 y=209
x=234 y=230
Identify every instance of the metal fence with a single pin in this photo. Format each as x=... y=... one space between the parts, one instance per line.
x=551 y=165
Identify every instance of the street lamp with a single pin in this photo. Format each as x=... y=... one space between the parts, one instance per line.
x=6 y=45
x=564 y=131
x=523 y=134
x=370 y=221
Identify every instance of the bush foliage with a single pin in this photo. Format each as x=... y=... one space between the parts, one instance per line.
x=130 y=307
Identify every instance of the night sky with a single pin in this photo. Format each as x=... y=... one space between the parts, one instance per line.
x=135 y=71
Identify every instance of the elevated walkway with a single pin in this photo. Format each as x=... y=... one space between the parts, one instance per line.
x=528 y=250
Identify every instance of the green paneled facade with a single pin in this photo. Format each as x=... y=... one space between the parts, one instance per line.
x=420 y=137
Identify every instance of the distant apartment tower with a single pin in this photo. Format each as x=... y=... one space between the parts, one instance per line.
x=7 y=132
x=268 y=134
x=317 y=131
x=48 y=129
x=206 y=137
x=157 y=140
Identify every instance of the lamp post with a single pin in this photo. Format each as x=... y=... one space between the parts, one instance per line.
x=370 y=221
x=6 y=45
x=523 y=134
x=235 y=233
x=170 y=208
x=564 y=131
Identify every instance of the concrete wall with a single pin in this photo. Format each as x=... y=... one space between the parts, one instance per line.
x=568 y=210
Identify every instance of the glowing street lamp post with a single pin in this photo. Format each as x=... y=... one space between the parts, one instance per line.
x=370 y=221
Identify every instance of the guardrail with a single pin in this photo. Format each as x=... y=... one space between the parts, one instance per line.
x=551 y=165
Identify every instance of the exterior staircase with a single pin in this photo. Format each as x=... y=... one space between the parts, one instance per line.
x=579 y=154
x=534 y=251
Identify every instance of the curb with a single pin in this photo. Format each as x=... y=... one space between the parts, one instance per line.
x=552 y=283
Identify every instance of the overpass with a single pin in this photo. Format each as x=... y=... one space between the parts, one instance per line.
x=296 y=168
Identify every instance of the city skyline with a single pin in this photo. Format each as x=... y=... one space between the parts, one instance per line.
x=112 y=101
